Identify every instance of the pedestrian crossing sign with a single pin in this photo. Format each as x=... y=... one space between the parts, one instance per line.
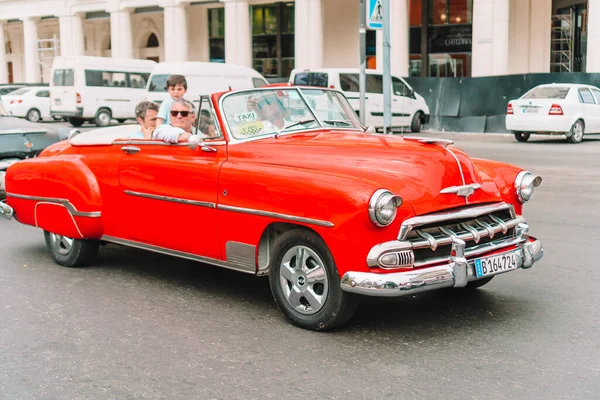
x=374 y=14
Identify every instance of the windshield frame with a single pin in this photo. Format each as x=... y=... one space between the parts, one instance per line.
x=232 y=139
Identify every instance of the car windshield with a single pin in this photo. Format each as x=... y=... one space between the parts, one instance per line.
x=547 y=92
x=262 y=112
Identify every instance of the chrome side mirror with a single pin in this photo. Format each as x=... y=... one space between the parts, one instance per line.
x=371 y=129
x=195 y=141
x=73 y=133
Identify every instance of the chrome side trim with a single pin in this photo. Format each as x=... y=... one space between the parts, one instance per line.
x=241 y=255
x=172 y=199
x=468 y=213
x=175 y=253
x=427 y=140
x=35 y=218
x=66 y=203
x=455 y=273
x=293 y=218
x=462 y=175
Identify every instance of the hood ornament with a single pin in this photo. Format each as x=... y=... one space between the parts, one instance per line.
x=464 y=190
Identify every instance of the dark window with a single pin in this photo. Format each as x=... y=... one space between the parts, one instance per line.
x=64 y=77
x=216 y=34
x=138 y=80
x=597 y=95
x=158 y=83
x=152 y=41
x=43 y=93
x=311 y=79
x=94 y=78
x=273 y=39
x=106 y=79
x=585 y=96
x=258 y=82
x=400 y=89
x=349 y=82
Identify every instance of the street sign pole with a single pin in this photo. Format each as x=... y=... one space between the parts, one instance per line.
x=362 y=82
x=387 y=78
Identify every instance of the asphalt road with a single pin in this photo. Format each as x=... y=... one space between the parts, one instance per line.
x=139 y=325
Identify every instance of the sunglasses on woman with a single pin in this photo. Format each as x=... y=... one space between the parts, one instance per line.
x=182 y=113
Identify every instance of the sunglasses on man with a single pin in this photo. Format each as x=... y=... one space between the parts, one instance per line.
x=184 y=114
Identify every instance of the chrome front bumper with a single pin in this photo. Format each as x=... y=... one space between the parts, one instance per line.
x=457 y=273
x=6 y=211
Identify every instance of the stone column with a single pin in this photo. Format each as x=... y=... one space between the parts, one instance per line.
x=593 y=37
x=121 y=42
x=176 y=35
x=71 y=35
x=540 y=20
x=3 y=66
x=30 y=38
x=308 y=39
x=490 y=37
x=238 y=37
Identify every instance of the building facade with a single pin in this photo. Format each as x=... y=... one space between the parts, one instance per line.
x=440 y=38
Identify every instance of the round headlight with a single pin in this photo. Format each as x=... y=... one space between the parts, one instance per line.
x=525 y=183
x=383 y=206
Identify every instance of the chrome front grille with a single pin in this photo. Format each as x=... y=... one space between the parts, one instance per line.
x=483 y=228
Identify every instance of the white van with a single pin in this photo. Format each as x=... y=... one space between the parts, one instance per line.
x=408 y=107
x=97 y=89
x=202 y=78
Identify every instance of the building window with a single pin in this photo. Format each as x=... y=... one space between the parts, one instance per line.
x=216 y=34
x=273 y=39
x=444 y=48
x=152 y=41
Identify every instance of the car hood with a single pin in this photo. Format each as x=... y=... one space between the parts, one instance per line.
x=414 y=170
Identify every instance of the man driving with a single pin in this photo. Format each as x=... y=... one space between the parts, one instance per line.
x=179 y=129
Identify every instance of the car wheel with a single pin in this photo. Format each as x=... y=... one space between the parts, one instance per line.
x=76 y=121
x=417 y=121
x=577 y=132
x=71 y=252
x=522 y=137
x=306 y=284
x=103 y=117
x=33 y=115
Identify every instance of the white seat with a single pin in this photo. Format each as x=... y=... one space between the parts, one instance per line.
x=104 y=136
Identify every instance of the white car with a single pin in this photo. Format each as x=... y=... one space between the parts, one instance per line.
x=32 y=103
x=409 y=109
x=558 y=108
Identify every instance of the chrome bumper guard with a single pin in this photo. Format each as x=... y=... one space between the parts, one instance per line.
x=457 y=273
x=6 y=211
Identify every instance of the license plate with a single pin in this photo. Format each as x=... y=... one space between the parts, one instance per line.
x=493 y=265
x=530 y=110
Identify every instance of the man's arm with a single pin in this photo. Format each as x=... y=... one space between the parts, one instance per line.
x=170 y=134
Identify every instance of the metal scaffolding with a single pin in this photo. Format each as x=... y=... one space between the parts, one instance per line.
x=563 y=31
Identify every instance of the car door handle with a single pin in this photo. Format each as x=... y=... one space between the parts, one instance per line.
x=130 y=149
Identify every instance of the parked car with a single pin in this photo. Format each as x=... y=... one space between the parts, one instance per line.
x=326 y=210
x=31 y=103
x=21 y=139
x=202 y=78
x=559 y=108
x=409 y=109
x=97 y=89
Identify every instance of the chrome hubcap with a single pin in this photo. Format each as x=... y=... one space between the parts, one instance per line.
x=33 y=116
x=303 y=279
x=62 y=244
x=578 y=132
x=104 y=118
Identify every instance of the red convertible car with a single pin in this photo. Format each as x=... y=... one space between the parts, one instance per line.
x=289 y=185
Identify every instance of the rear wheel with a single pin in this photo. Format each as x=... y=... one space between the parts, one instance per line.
x=417 y=121
x=306 y=284
x=577 y=132
x=33 y=115
x=76 y=121
x=103 y=117
x=71 y=252
x=521 y=136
